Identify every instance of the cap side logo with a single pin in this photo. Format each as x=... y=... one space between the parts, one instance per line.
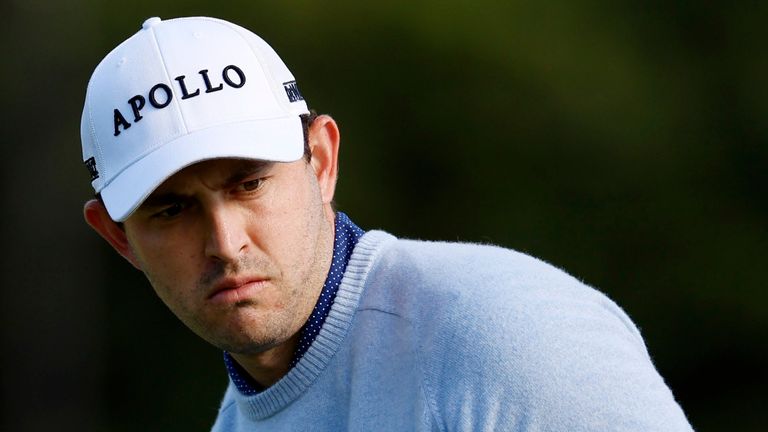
x=90 y=163
x=292 y=90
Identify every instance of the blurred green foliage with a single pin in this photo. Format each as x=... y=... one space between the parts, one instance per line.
x=622 y=141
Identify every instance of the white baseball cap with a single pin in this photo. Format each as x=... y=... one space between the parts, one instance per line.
x=182 y=91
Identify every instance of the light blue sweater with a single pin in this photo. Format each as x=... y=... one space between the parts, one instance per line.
x=427 y=336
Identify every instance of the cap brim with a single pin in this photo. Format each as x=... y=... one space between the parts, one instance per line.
x=277 y=140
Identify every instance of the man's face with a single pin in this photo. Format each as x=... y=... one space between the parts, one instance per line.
x=237 y=249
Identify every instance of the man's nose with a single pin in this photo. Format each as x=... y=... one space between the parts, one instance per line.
x=227 y=234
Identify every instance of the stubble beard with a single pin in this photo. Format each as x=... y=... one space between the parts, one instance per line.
x=248 y=326
x=267 y=328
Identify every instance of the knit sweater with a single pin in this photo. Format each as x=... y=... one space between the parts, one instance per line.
x=429 y=336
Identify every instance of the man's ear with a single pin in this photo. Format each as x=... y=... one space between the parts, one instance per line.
x=324 y=143
x=97 y=217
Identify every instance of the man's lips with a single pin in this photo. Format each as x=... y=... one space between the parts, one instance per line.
x=232 y=290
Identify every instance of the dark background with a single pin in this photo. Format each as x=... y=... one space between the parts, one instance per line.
x=623 y=141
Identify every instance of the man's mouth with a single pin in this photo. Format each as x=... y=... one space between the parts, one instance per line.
x=234 y=290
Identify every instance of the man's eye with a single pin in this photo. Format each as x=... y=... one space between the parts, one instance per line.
x=170 y=211
x=251 y=185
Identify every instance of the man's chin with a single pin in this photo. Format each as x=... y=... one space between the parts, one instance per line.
x=250 y=348
x=244 y=342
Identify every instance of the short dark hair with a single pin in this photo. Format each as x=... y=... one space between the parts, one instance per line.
x=306 y=122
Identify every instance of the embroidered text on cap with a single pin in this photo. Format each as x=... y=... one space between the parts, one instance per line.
x=160 y=95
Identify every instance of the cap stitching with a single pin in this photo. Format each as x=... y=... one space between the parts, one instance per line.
x=264 y=64
x=95 y=138
x=168 y=78
x=268 y=70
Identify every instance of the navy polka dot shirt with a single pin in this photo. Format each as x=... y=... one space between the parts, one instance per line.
x=346 y=237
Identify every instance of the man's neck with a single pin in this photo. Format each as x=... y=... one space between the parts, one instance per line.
x=268 y=367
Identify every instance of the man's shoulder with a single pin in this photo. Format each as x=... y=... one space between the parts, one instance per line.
x=472 y=272
x=478 y=290
x=497 y=331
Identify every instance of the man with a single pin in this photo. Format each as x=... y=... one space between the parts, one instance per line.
x=215 y=180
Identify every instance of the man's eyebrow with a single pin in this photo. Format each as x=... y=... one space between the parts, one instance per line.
x=248 y=169
x=162 y=199
x=243 y=171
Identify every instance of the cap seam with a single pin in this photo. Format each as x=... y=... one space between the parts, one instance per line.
x=266 y=70
x=94 y=136
x=236 y=29
x=168 y=78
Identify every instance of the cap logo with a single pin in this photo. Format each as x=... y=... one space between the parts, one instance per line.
x=292 y=90
x=90 y=163
x=160 y=95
